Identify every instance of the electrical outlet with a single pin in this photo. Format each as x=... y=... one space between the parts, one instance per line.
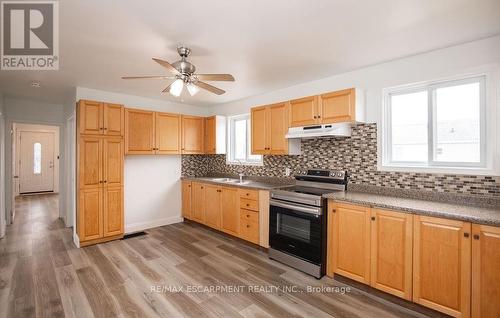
x=287 y=172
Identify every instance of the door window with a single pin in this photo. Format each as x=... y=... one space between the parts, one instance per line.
x=37 y=158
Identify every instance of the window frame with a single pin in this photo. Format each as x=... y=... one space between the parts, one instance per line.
x=484 y=166
x=231 y=142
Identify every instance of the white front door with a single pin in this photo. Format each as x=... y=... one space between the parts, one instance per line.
x=36 y=164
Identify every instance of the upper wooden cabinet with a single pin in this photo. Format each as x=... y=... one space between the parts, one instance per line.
x=391 y=252
x=304 y=111
x=193 y=132
x=340 y=106
x=442 y=265
x=113 y=149
x=215 y=135
x=140 y=131
x=485 y=271
x=269 y=127
x=96 y=118
x=168 y=133
x=90 y=159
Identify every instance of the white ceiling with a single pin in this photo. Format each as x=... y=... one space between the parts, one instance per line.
x=265 y=44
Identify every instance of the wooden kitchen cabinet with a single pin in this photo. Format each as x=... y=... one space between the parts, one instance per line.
x=90 y=159
x=249 y=229
x=90 y=214
x=113 y=222
x=339 y=106
x=193 y=133
x=485 y=271
x=213 y=206
x=167 y=134
x=391 y=252
x=113 y=150
x=198 y=196
x=304 y=111
x=230 y=211
x=442 y=265
x=96 y=118
x=349 y=241
x=215 y=135
x=269 y=127
x=186 y=199
x=139 y=131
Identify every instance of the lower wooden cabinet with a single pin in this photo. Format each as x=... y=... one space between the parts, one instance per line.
x=230 y=208
x=442 y=265
x=90 y=214
x=485 y=271
x=391 y=252
x=186 y=199
x=219 y=207
x=113 y=211
x=349 y=241
x=212 y=206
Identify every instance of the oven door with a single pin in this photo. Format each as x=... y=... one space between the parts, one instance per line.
x=296 y=229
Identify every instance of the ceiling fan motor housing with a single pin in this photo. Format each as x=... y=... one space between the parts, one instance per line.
x=184 y=67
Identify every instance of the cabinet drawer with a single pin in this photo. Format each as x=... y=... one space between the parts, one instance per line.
x=249 y=204
x=249 y=231
x=249 y=194
x=249 y=215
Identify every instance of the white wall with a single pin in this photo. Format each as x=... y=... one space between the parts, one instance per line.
x=2 y=169
x=31 y=112
x=152 y=183
x=452 y=61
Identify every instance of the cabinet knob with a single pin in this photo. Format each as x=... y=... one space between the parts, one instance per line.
x=315 y=117
x=248 y=194
x=334 y=210
x=105 y=128
x=373 y=218
x=248 y=216
x=319 y=116
x=105 y=181
x=100 y=128
x=466 y=234
x=248 y=204
x=476 y=236
x=248 y=226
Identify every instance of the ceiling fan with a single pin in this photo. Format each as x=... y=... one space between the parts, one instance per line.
x=183 y=75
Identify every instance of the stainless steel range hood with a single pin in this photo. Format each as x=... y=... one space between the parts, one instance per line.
x=318 y=131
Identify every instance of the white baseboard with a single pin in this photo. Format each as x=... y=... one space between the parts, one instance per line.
x=140 y=226
x=76 y=240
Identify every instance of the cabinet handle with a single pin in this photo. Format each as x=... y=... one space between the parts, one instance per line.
x=105 y=128
x=100 y=181
x=373 y=218
x=334 y=210
x=100 y=128
x=248 y=204
x=319 y=116
x=476 y=236
x=466 y=234
x=105 y=181
x=248 y=226
x=248 y=194
x=315 y=117
x=248 y=216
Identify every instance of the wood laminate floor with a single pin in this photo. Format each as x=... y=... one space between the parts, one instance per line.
x=177 y=270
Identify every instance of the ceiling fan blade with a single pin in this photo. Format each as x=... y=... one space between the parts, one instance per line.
x=209 y=88
x=167 y=65
x=215 y=77
x=147 y=77
x=167 y=89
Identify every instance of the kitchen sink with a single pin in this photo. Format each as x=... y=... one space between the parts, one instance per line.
x=230 y=180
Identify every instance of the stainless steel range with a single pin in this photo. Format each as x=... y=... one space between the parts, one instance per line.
x=297 y=220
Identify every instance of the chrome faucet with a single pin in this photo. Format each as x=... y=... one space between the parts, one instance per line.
x=240 y=174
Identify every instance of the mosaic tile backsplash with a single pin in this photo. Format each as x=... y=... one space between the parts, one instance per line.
x=357 y=155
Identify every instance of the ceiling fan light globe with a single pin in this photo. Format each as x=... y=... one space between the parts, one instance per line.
x=176 y=87
x=192 y=89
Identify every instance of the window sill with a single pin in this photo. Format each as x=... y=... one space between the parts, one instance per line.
x=245 y=163
x=440 y=170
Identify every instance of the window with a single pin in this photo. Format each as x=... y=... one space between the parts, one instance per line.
x=239 y=142
x=37 y=158
x=438 y=125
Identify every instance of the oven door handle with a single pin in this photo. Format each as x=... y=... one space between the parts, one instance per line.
x=305 y=209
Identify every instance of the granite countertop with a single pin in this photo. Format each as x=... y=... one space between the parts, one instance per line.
x=260 y=184
x=489 y=215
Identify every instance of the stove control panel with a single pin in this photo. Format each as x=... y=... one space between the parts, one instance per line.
x=332 y=174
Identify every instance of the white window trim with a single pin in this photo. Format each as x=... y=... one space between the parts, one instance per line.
x=230 y=142
x=490 y=116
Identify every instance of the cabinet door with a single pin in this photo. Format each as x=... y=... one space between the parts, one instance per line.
x=485 y=271
x=139 y=132
x=259 y=121
x=168 y=133
x=192 y=135
x=391 y=252
x=304 y=111
x=90 y=162
x=249 y=230
x=230 y=211
x=114 y=119
x=337 y=106
x=113 y=211
x=90 y=117
x=90 y=218
x=278 y=128
x=442 y=265
x=212 y=206
x=349 y=241
x=198 y=202
x=113 y=161
x=186 y=199
x=210 y=137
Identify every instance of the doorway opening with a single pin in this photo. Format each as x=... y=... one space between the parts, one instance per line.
x=35 y=161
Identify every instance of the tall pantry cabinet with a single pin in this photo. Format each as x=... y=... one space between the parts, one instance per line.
x=100 y=156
